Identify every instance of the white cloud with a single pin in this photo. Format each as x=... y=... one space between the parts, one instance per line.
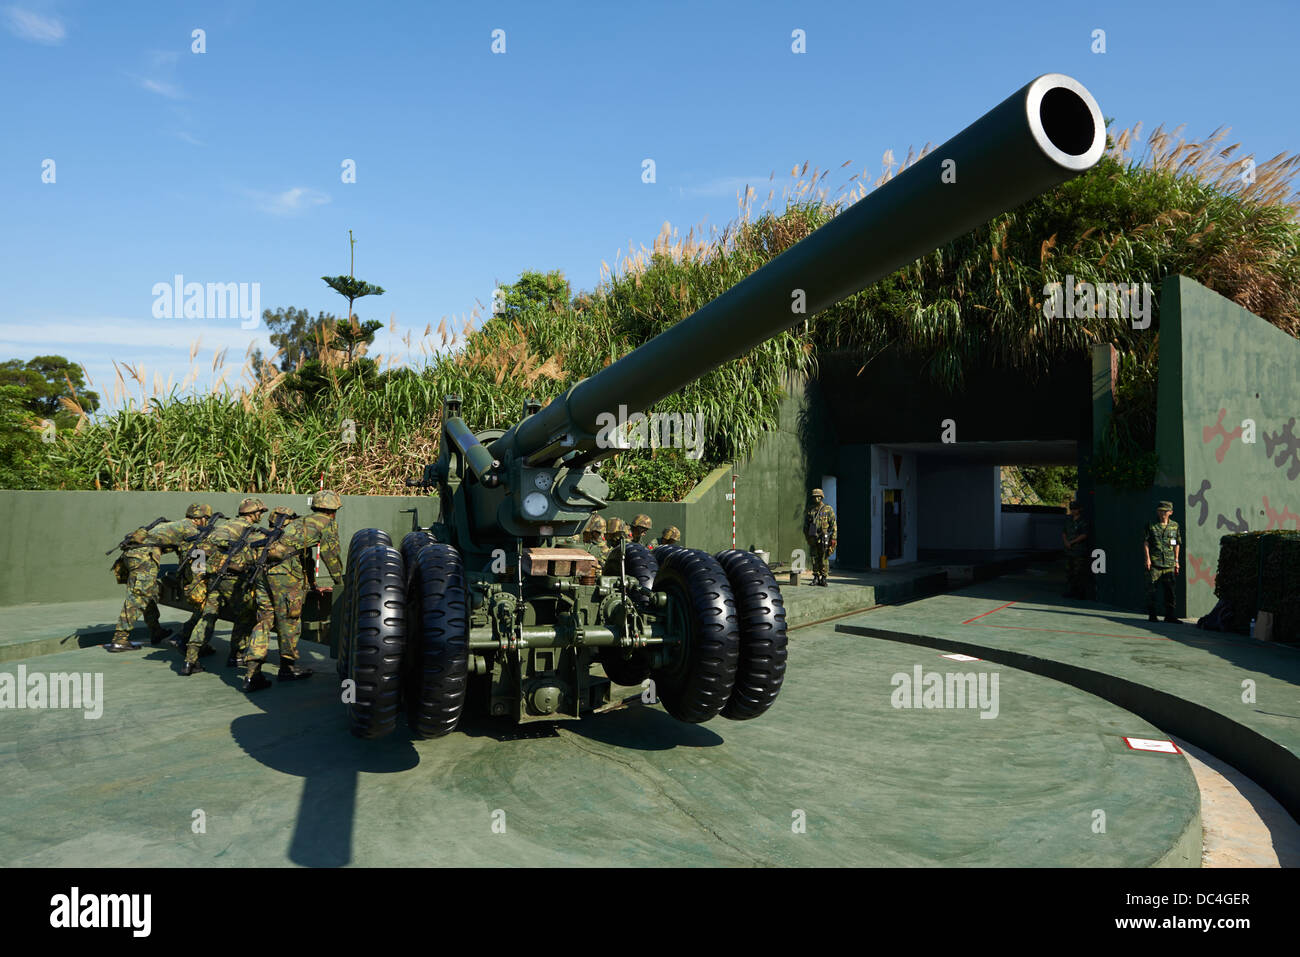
x=722 y=186
x=32 y=26
x=169 y=90
x=128 y=335
x=289 y=202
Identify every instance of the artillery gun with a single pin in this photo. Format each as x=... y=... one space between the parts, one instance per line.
x=489 y=594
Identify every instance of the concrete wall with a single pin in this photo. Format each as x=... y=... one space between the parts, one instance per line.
x=960 y=505
x=53 y=546
x=1215 y=357
x=1031 y=530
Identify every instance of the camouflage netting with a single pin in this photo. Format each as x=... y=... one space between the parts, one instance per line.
x=1277 y=589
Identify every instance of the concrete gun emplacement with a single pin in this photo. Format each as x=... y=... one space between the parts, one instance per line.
x=488 y=603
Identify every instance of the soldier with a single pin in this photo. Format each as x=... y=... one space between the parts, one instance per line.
x=278 y=596
x=195 y=555
x=1161 y=542
x=1074 y=537
x=671 y=536
x=640 y=525
x=230 y=543
x=820 y=532
x=593 y=539
x=141 y=554
x=615 y=533
x=319 y=528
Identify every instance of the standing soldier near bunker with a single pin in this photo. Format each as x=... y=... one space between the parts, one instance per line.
x=1161 y=543
x=230 y=553
x=141 y=553
x=820 y=532
x=1075 y=538
x=276 y=603
x=593 y=540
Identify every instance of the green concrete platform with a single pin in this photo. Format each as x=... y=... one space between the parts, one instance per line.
x=45 y=629
x=1236 y=697
x=277 y=779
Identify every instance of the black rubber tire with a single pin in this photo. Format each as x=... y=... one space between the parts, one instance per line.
x=661 y=552
x=412 y=542
x=641 y=565
x=697 y=684
x=345 y=607
x=438 y=672
x=640 y=562
x=378 y=639
x=760 y=612
x=367 y=537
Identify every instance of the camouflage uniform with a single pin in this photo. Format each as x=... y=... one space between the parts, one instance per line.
x=232 y=591
x=615 y=538
x=820 y=531
x=280 y=598
x=593 y=540
x=1076 y=556
x=1161 y=541
x=640 y=525
x=671 y=536
x=142 y=560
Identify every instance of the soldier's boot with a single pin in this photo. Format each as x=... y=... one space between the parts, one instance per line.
x=1151 y=616
x=255 y=680
x=158 y=633
x=190 y=667
x=290 y=672
x=1170 y=619
x=121 y=642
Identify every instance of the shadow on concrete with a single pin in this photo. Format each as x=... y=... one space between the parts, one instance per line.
x=303 y=731
x=639 y=727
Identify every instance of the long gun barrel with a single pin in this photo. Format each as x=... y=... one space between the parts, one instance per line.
x=1041 y=136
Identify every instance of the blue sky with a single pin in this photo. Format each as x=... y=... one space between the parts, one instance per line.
x=225 y=166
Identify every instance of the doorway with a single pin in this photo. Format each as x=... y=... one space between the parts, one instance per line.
x=891 y=512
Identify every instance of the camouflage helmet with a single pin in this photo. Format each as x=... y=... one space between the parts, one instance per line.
x=817 y=493
x=251 y=505
x=326 y=500
x=642 y=521
x=671 y=534
x=198 y=510
x=614 y=526
x=1165 y=507
x=597 y=524
x=281 y=510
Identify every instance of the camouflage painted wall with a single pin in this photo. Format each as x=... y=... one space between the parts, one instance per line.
x=52 y=547
x=1227 y=377
x=1240 y=382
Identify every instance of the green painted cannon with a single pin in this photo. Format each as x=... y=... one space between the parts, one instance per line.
x=488 y=602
